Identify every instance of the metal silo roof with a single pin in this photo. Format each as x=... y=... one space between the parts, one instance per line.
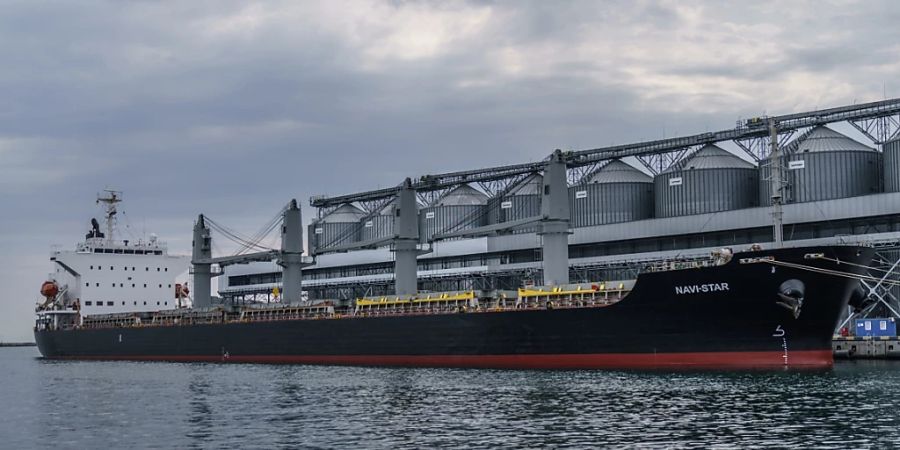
x=344 y=213
x=824 y=139
x=388 y=210
x=529 y=186
x=463 y=195
x=711 y=157
x=618 y=171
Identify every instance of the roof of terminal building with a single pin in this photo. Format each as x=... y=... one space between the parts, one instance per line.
x=824 y=139
x=618 y=171
x=711 y=157
x=463 y=195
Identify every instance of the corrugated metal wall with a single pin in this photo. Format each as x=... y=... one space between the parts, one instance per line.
x=327 y=235
x=892 y=166
x=443 y=219
x=602 y=203
x=376 y=227
x=824 y=176
x=514 y=207
x=699 y=191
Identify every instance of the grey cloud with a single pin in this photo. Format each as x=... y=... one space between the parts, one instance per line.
x=157 y=100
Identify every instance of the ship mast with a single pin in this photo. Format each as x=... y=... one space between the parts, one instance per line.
x=110 y=198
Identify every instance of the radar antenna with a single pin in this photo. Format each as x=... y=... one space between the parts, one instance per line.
x=110 y=198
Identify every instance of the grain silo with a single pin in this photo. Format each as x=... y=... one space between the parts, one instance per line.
x=709 y=180
x=615 y=193
x=522 y=201
x=378 y=225
x=892 y=166
x=823 y=165
x=460 y=209
x=339 y=227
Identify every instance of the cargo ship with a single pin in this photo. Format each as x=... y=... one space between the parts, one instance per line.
x=752 y=308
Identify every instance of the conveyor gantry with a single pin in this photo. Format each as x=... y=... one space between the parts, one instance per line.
x=753 y=128
x=555 y=215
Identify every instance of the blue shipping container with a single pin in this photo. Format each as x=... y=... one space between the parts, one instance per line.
x=876 y=327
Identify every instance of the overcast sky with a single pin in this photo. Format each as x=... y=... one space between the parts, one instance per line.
x=233 y=108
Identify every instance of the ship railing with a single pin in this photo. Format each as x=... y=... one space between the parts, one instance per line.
x=577 y=296
x=426 y=303
x=668 y=265
x=286 y=313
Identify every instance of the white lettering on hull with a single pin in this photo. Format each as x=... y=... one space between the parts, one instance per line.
x=701 y=288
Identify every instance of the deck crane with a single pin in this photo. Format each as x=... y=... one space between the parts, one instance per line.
x=289 y=257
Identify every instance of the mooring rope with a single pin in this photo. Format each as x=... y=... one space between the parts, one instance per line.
x=835 y=260
x=832 y=272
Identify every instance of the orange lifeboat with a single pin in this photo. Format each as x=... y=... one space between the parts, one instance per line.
x=49 y=289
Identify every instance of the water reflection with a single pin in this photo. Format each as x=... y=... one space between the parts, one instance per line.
x=91 y=404
x=200 y=413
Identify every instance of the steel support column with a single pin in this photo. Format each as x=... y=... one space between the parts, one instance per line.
x=291 y=258
x=555 y=226
x=202 y=271
x=405 y=247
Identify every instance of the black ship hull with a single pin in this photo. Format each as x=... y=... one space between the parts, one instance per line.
x=720 y=316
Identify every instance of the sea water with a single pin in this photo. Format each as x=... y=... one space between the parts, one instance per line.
x=71 y=404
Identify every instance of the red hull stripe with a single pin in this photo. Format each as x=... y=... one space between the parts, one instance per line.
x=748 y=360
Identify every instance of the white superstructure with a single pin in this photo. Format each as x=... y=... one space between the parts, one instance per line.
x=104 y=275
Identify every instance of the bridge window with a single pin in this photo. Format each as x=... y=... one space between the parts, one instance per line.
x=88 y=303
x=109 y=303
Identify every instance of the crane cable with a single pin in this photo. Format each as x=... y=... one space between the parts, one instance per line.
x=252 y=242
x=233 y=235
x=262 y=233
